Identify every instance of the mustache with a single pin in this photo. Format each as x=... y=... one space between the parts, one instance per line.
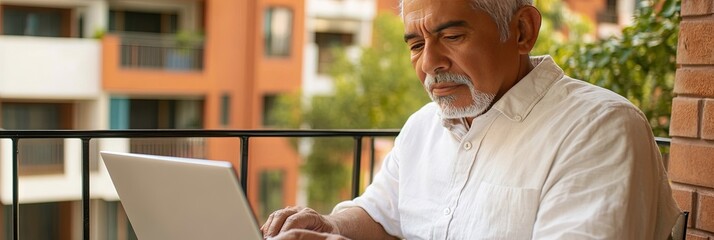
x=446 y=77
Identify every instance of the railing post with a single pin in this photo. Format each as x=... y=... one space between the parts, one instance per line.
x=15 y=195
x=244 y=164
x=85 y=188
x=356 y=166
x=371 y=159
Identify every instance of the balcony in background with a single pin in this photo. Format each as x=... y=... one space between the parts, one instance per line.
x=41 y=157
x=40 y=67
x=177 y=147
x=161 y=51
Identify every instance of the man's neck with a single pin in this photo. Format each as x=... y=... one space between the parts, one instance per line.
x=525 y=66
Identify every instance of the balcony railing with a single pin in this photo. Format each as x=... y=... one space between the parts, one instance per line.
x=18 y=137
x=41 y=156
x=160 y=51
x=177 y=147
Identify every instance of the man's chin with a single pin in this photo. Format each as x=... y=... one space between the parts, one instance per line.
x=452 y=112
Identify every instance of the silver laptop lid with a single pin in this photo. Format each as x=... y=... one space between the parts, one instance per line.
x=180 y=198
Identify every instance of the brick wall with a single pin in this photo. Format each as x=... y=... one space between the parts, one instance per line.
x=691 y=164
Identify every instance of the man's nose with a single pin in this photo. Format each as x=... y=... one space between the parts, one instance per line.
x=433 y=59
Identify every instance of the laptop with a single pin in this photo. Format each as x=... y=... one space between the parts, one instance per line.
x=181 y=198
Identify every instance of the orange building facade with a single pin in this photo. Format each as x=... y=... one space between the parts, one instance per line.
x=238 y=77
x=168 y=64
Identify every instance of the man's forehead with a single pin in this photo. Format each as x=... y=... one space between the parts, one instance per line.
x=415 y=10
x=414 y=16
x=419 y=10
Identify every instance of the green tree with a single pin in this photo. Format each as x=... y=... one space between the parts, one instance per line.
x=639 y=65
x=378 y=89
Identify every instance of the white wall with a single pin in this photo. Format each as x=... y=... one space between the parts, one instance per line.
x=58 y=68
x=342 y=9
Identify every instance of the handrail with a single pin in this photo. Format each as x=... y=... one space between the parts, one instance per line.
x=244 y=135
x=87 y=135
x=142 y=133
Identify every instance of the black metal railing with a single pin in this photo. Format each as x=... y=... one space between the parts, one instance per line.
x=243 y=135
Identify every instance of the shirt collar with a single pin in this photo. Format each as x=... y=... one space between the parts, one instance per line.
x=518 y=102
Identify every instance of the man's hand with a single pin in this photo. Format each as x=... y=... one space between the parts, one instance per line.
x=302 y=234
x=297 y=218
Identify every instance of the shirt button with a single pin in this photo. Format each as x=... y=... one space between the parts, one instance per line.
x=447 y=211
x=467 y=145
x=517 y=118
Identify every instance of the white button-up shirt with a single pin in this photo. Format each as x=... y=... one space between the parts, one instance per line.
x=554 y=158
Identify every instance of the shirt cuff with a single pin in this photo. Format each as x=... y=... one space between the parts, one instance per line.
x=389 y=227
x=344 y=206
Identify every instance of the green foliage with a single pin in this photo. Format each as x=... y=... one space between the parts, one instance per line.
x=379 y=89
x=639 y=65
x=559 y=26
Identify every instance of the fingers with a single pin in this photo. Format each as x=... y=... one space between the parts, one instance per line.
x=302 y=234
x=305 y=219
x=265 y=226
x=276 y=220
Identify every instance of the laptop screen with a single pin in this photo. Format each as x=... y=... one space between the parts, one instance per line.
x=181 y=198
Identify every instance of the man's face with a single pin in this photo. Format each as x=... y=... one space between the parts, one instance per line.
x=458 y=55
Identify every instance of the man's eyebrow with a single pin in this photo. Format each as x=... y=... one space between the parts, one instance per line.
x=449 y=24
x=441 y=27
x=408 y=36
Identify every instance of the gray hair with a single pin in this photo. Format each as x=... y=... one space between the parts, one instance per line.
x=500 y=10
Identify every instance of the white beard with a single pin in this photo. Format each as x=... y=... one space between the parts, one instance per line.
x=480 y=101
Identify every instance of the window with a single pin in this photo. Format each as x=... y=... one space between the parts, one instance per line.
x=271 y=192
x=226 y=110
x=609 y=14
x=36 y=116
x=146 y=22
x=165 y=114
x=277 y=31
x=38 y=156
x=326 y=44
x=119 y=113
x=117 y=225
x=41 y=220
x=35 y=21
x=269 y=104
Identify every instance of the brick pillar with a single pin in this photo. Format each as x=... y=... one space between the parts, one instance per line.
x=691 y=164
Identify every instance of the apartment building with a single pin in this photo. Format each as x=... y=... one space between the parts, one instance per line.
x=122 y=64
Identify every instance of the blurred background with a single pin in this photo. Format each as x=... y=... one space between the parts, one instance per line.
x=257 y=64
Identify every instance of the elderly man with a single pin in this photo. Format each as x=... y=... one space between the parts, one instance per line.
x=510 y=148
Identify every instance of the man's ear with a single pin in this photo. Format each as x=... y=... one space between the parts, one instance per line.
x=528 y=20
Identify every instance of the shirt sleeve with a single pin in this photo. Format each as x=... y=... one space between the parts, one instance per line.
x=608 y=183
x=380 y=199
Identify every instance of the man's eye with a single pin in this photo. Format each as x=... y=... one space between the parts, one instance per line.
x=416 y=46
x=453 y=37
